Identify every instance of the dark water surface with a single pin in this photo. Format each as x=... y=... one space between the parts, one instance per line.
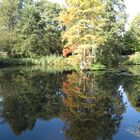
x=43 y=105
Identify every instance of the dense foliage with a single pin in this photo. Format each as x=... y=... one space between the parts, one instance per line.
x=30 y=28
x=132 y=36
x=84 y=23
x=92 y=31
x=110 y=52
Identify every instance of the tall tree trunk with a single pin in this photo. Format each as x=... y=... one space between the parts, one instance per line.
x=84 y=58
x=92 y=56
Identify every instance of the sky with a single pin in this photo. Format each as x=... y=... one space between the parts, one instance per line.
x=59 y=1
x=132 y=7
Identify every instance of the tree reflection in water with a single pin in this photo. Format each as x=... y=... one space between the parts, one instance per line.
x=95 y=109
x=88 y=102
x=29 y=96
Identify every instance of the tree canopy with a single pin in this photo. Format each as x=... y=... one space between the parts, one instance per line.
x=92 y=31
x=132 y=36
x=33 y=28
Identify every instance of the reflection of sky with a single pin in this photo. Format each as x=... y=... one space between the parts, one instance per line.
x=129 y=128
x=44 y=130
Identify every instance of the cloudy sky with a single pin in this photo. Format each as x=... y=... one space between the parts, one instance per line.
x=132 y=7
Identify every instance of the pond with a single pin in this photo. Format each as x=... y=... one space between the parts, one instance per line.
x=38 y=104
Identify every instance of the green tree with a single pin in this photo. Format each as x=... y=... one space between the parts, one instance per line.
x=132 y=36
x=9 y=13
x=110 y=52
x=53 y=30
x=9 y=16
x=38 y=32
x=30 y=33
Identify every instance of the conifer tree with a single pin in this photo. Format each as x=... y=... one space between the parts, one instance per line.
x=84 y=21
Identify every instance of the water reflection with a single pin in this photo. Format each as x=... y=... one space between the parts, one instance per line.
x=133 y=92
x=27 y=97
x=94 y=109
x=89 y=104
x=132 y=86
x=135 y=130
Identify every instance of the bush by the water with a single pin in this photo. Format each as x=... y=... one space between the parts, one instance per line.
x=133 y=59
x=52 y=60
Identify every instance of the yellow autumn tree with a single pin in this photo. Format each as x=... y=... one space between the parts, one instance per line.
x=84 y=21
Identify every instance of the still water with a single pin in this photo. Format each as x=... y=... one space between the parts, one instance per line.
x=45 y=105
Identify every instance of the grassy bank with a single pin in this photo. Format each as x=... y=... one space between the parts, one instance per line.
x=133 y=59
x=53 y=61
x=42 y=61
